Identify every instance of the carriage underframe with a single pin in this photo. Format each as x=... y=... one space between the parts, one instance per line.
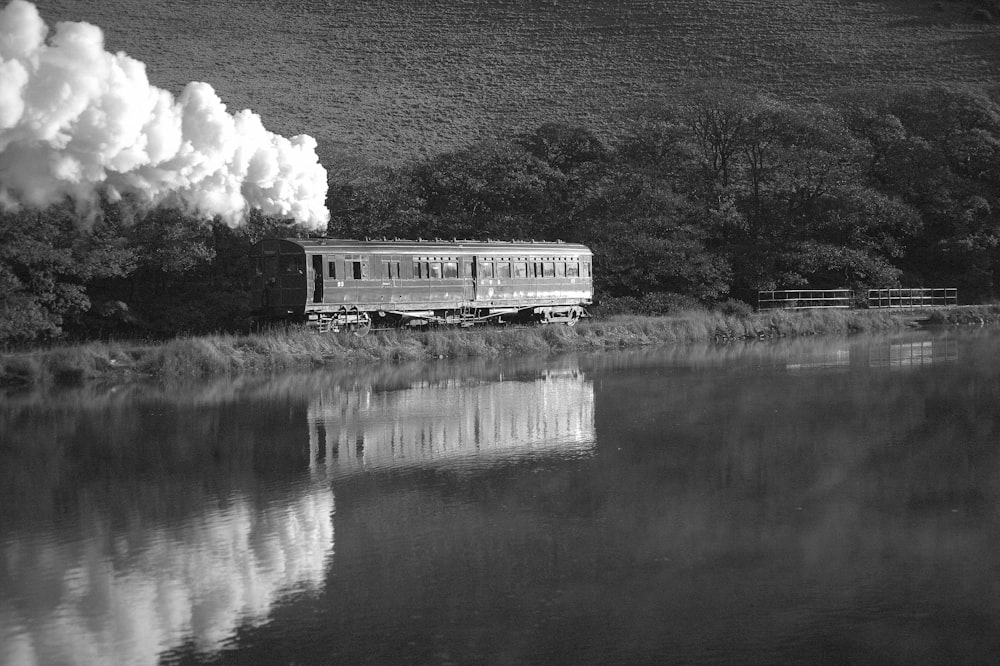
x=361 y=321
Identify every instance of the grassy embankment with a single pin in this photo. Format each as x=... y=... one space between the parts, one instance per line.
x=298 y=348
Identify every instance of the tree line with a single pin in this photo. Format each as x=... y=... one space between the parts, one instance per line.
x=704 y=199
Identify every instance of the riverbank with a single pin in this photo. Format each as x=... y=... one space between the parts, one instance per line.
x=299 y=348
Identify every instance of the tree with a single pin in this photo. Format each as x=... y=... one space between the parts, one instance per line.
x=643 y=241
x=492 y=189
x=379 y=203
x=46 y=259
x=565 y=147
x=938 y=150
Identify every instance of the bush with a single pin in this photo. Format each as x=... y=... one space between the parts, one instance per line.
x=653 y=304
x=735 y=308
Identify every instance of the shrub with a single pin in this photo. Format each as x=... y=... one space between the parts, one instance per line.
x=734 y=308
x=652 y=304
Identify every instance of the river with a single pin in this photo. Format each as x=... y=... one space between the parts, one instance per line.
x=805 y=501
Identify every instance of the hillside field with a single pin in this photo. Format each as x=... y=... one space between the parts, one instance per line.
x=393 y=80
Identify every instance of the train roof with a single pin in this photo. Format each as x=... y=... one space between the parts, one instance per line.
x=437 y=246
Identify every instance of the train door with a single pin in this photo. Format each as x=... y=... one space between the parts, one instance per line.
x=468 y=276
x=316 y=273
x=356 y=279
x=485 y=280
x=272 y=287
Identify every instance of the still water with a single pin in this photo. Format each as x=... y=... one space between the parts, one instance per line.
x=810 y=501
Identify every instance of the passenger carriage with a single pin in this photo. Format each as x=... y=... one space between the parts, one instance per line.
x=336 y=283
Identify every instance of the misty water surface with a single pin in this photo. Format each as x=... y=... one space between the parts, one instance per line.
x=807 y=501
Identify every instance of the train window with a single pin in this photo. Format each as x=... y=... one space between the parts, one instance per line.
x=418 y=269
x=485 y=269
x=586 y=269
x=292 y=266
x=390 y=270
x=520 y=269
x=548 y=269
x=503 y=269
x=572 y=269
x=560 y=269
x=331 y=269
x=450 y=269
x=355 y=269
x=435 y=273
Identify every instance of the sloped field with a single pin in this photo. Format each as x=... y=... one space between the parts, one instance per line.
x=397 y=79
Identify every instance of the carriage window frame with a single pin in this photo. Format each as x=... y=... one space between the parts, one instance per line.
x=450 y=270
x=331 y=269
x=585 y=269
x=391 y=269
x=503 y=269
x=486 y=270
x=560 y=269
x=520 y=269
x=290 y=264
x=435 y=270
x=548 y=269
x=573 y=269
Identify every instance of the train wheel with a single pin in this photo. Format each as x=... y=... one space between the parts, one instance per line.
x=364 y=324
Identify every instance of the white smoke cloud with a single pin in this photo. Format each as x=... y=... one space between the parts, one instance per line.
x=77 y=121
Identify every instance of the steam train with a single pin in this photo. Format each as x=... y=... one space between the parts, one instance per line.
x=337 y=284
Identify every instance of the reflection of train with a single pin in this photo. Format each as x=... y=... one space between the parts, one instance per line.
x=460 y=424
x=354 y=284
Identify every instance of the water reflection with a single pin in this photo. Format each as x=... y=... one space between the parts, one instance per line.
x=916 y=353
x=885 y=354
x=796 y=501
x=125 y=596
x=143 y=520
x=462 y=422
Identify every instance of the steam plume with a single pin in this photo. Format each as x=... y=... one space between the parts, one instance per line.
x=77 y=121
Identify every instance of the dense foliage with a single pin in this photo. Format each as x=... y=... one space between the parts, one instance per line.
x=706 y=198
x=724 y=192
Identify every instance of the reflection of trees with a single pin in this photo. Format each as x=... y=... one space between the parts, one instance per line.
x=168 y=457
x=126 y=597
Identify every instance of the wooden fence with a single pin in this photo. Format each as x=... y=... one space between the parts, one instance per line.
x=911 y=298
x=799 y=299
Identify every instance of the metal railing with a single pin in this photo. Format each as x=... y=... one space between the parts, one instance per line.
x=912 y=298
x=798 y=299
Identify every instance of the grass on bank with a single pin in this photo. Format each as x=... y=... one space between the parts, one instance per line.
x=298 y=347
